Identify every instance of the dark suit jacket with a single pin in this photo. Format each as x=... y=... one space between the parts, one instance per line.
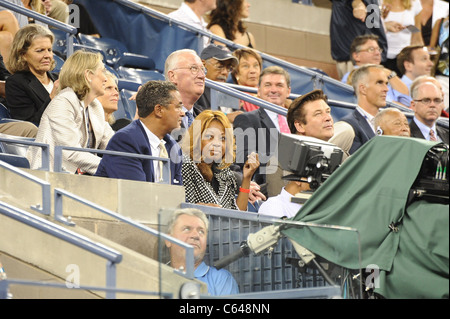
x=204 y=102
x=178 y=134
x=363 y=131
x=441 y=132
x=26 y=97
x=133 y=139
x=255 y=132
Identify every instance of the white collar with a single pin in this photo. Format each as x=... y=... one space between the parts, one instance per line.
x=152 y=138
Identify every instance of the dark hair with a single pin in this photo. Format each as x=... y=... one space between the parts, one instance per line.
x=153 y=93
x=226 y=15
x=296 y=110
x=406 y=55
x=359 y=41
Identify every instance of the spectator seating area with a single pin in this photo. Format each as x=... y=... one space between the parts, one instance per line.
x=140 y=58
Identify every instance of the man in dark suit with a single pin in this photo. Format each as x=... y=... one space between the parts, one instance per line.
x=160 y=111
x=427 y=103
x=258 y=130
x=370 y=83
x=185 y=70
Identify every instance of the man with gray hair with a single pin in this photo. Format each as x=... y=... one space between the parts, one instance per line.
x=370 y=83
x=190 y=225
x=185 y=69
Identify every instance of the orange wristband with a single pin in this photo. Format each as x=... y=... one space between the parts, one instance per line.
x=244 y=190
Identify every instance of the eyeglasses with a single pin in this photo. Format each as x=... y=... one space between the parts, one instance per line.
x=220 y=67
x=427 y=101
x=372 y=50
x=194 y=69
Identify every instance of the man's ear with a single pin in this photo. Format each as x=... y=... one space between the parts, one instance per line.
x=158 y=110
x=362 y=89
x=299 y=127
x=408 y=66
x=354 y=55
x=172 y=77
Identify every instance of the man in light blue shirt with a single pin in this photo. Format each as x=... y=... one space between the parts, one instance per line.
x=365 y=50
x=190 y=225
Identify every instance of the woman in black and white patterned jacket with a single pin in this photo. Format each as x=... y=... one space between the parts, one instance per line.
x=208 y=151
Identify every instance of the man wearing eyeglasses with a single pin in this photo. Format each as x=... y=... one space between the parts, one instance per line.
x=427 y=104
x=365 y=50
x=219 y=62
x=185 y=69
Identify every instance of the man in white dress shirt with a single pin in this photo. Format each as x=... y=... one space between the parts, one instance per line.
x=191 y=12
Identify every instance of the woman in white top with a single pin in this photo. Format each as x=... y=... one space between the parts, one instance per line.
x=402 y=14
x=75 y=117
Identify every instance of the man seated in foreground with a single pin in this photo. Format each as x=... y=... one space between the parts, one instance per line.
x=190 y=225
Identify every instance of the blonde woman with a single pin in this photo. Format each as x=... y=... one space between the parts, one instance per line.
x=75 y=117
x=208 y=151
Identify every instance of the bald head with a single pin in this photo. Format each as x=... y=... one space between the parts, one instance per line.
x=393 y=122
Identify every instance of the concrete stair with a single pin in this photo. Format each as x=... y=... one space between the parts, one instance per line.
x=30 y=254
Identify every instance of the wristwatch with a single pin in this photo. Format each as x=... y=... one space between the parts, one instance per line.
x=391 y=75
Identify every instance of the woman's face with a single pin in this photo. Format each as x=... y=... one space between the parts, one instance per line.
x=110 y=99
x=97 y=81
x=245 y=9
x=39 y=55
x=213 y=143
x=248 y=71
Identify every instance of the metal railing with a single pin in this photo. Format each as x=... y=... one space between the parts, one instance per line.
x=70 y=30
x=4 y=286
x=112 y=256
x=58 y=158
x=45 y=158
x=234 y=227
x=45 y=209
x=59 y=193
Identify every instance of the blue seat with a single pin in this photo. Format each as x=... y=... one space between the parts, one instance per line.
x=59 y=63
x=126 y=108
x=15 y=160
x=128 y=85
x=116 y=53
x=60 y=42
x=4 y=112
x=138 y=75
x=15 y=148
